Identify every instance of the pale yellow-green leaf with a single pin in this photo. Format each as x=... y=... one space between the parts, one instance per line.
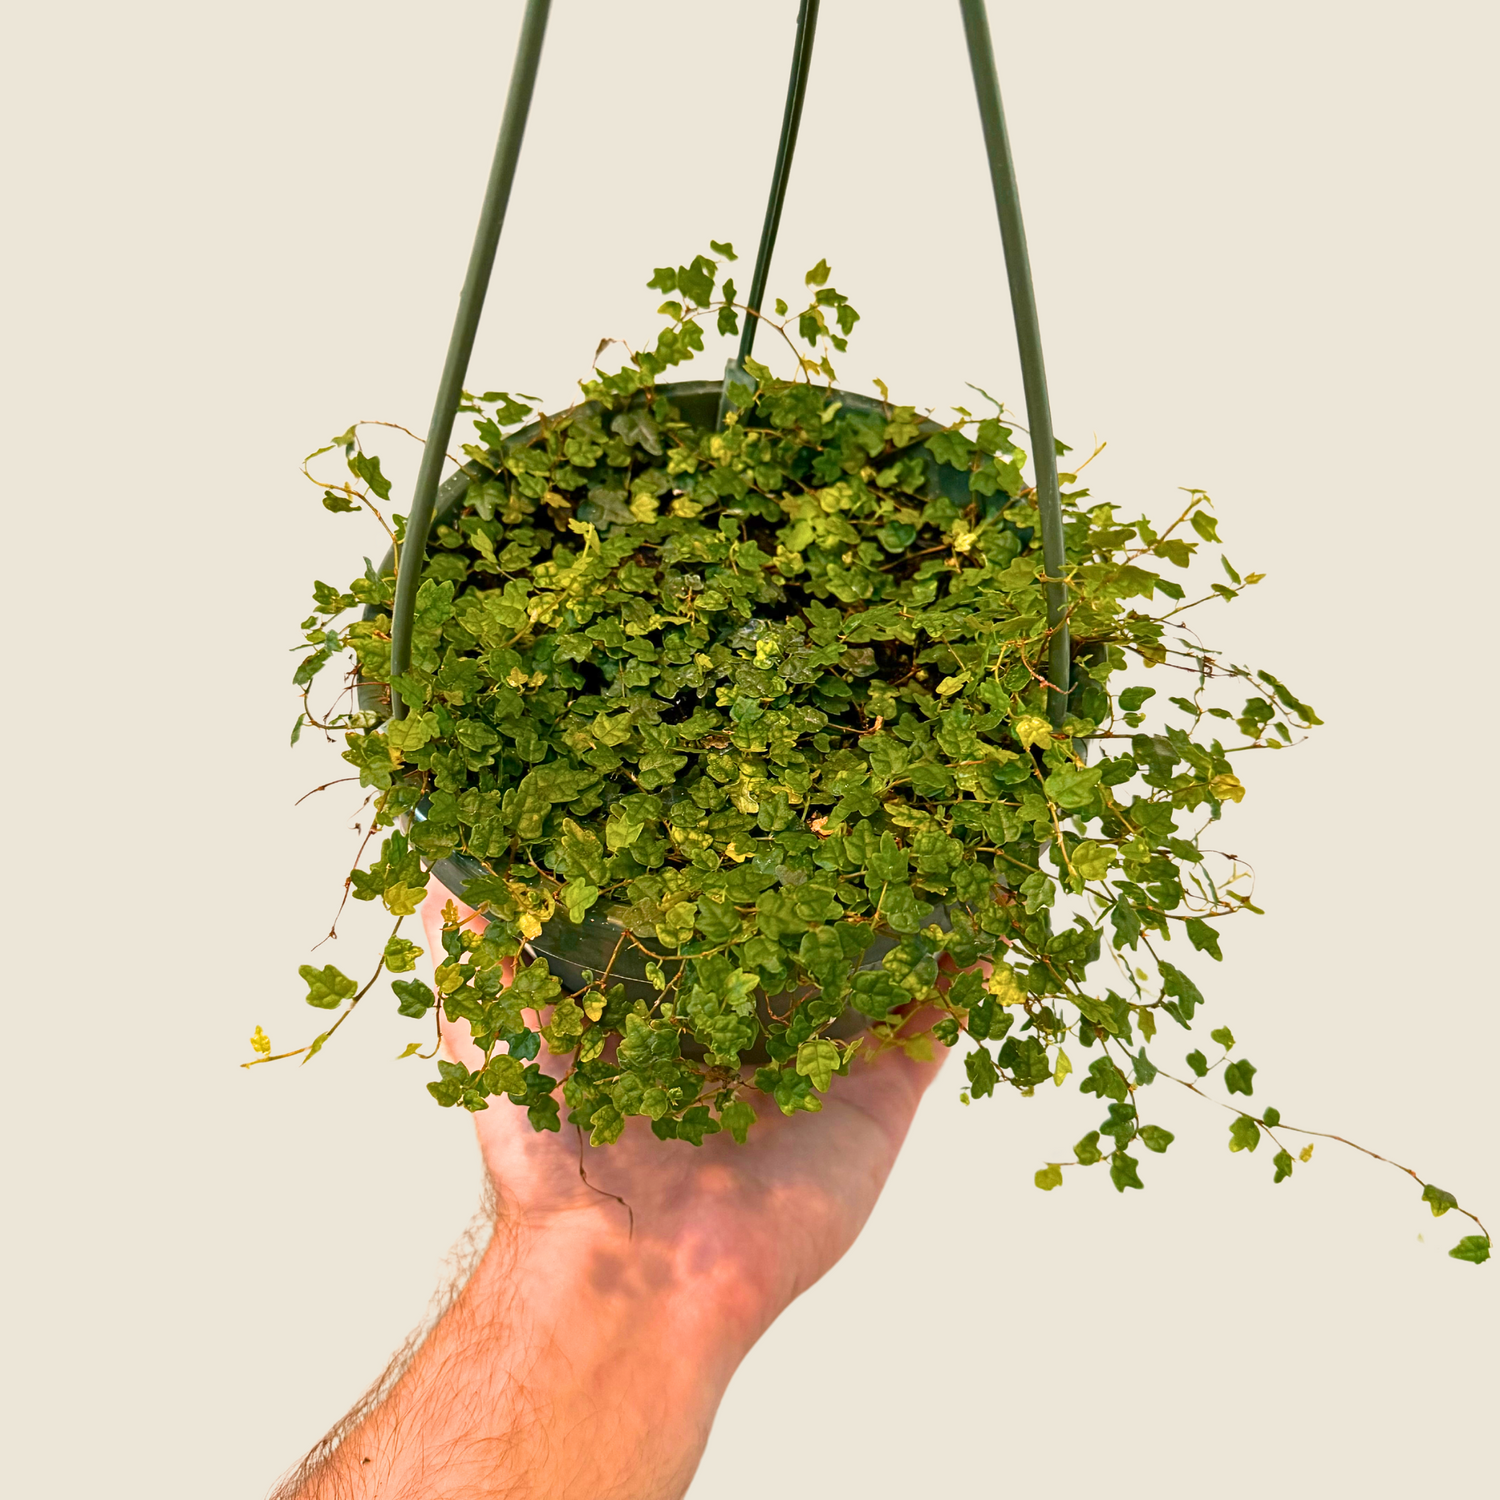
x=816 y=1060
x=401 y=956
x=402 y=900
x=950 y=685
x=1227 y=788
x=410 y=1050
x=1049 y=1177
x=412 y=732
x=1062 y=1067
x=1032 y=729
x=1005 y=986
x=1092 y=861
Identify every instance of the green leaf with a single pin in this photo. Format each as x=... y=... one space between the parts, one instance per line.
x=366 y=466
x=1154 y=1138
x=1087 y=1150
x=1244 y=1134
x=1198 y=1063
x=1185 y=995
x=578 y=896
x=410 y=734
x=415 y=997
x=1049 y=1177
x=1072 y=787
x=726 y=249
x=1204 y=938
x=327 y=988
x=737 y=1117
x=980 y=1067
x=819 y=274
x=1474 y=1248
x=1282 y=1161
x=1438 y=1200
x=1239 y=1077
x=1223 y=1036
x=1123 y=1172
x=1092 y=861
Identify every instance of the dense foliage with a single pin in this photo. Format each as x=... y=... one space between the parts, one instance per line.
x=756 y=696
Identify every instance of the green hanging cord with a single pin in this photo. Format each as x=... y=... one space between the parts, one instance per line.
x=461 y=345
x=1029 y=340
x=796 y=91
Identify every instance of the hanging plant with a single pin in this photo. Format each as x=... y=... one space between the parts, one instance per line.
x=742 y=741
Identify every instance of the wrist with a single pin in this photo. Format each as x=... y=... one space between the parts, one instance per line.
x=617 y=1309
x=578 y=1363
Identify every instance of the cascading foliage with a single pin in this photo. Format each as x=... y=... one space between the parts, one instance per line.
x=757 y=696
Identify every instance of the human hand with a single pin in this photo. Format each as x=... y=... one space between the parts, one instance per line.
x=587 y=1355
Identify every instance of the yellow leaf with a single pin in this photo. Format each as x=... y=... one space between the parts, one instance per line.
x=1227 y=788
x=450 y=914
x=918 y=1048
x=530 y=925
x=593 y=1007
x=1063 y=1067
x=1004 y=985
x=260 y=1041
x=1254 y=577
x=412 y=1048
x=1031 y=730
x=1305 y=1154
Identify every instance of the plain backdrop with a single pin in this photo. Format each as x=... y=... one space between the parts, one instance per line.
x=1264 y=245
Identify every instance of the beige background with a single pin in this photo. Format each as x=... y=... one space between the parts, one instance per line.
x=1264 y=240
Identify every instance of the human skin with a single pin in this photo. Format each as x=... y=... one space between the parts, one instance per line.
x=586 y=1356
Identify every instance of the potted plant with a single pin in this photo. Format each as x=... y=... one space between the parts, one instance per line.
x=734 y=714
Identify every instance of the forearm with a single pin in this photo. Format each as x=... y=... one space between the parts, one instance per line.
x=573 y=1366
